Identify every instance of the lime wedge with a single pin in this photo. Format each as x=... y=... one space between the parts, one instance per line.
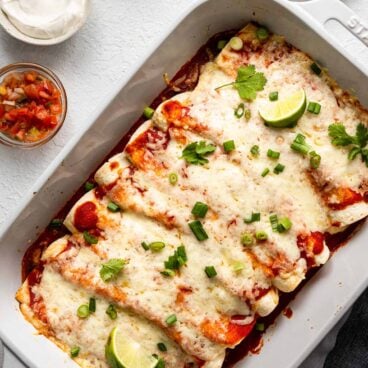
x=285 y=113
x=123 y=352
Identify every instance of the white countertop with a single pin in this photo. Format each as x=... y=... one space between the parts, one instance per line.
x=110 y=44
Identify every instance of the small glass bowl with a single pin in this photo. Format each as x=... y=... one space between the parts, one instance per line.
x=47 y=73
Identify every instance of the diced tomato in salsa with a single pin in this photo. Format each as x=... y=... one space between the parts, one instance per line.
x=30 y=106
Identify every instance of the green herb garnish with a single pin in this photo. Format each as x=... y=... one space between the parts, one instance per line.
x=174 y=262
x=90 y=238
x=171 y=320
x=196 y=152
x=74 y=351
x=248 y=82
x=112 y=268
x=358 y=142
x=254 y=217
x=210 y=271
x=111 y=311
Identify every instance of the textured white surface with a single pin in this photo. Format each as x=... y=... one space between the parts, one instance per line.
x=89 y=64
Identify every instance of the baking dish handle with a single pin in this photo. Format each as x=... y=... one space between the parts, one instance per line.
x=326 y=10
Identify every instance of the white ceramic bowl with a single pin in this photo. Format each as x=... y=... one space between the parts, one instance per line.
x=16 y=33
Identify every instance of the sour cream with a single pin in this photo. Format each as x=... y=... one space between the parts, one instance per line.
x=45 y=19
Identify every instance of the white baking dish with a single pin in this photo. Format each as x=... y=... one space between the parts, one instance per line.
x=326 y=297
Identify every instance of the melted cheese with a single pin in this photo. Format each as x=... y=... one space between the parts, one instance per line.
x=91 y=334
x=231 y=185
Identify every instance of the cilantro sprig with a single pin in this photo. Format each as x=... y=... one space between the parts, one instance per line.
x=194 y=153
x=248 y=82
x=112 y=268
x=340 y=137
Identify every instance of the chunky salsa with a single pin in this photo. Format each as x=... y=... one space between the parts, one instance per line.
x=30 y=106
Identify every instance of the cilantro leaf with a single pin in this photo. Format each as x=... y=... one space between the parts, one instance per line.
x=364 y=153
x=361 y=135
x=248 y=82
x=339 y=135
x=358 y=142
x=354 y=152
x=112 y=268
x=194 y=153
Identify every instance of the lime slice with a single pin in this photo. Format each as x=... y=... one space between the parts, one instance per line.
x=285 y=113
x=123 y=352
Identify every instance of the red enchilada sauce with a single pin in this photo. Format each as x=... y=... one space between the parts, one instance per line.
x=185 y=80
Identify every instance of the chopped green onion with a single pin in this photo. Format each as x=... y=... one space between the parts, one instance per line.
x=175 y=261
x=311 y=107
x=299 y=145
x=315 y=159
x=221 y=44
x=284 y=225
x=300 y=138
x=181 y=255
x=88 y=186
x=261 y=235
x=247 y=239
x=56 y=223
x=255 y=150
x=316 y=69
x=260 y=327
x=74 y=351
x=113 y=207
x=210 y=271
x=262 y=33
x=198 y=230
x=89 y=238
x=236 y=43
x=273 y=96
x=92 y=305
x=317 y=109
x=145 y=246
x=148 y=112
x=83 y=311
x=247 y=114
x=273 y=154
x=265 y=172
x=157 y=246
x=168 y=273
x=238 y=266
x=239 y=111
x=255 y=216
x=314 y=107
x=300 y=148
x=173 y=178
x=279 y=168
x=161 y=346
x=170 y=321
x=274 y=222
x=200 y=210
x=111 y=312
x=229 y=146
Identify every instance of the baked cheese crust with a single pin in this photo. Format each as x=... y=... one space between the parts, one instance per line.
x=214 y=312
